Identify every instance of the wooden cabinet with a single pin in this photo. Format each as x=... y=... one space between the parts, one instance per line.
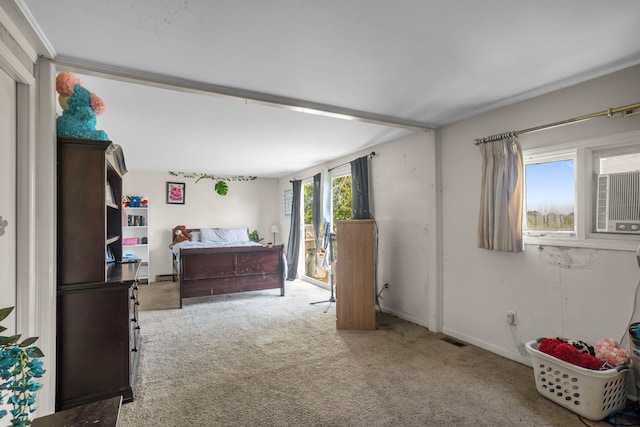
x=355 y=281
x=98 y=335
x=89 y=224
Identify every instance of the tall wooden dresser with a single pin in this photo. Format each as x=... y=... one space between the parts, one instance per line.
x=355 y=284
x=98 y=334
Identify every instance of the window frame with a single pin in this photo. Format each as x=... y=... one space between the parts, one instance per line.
x=337 y=172
x=583 y=152
x=340 y=171
x=544 y=157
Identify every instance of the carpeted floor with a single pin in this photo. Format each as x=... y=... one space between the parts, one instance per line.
x=258 y=359
x=159 y=296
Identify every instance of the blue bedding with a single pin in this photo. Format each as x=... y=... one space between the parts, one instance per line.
x=188 y=244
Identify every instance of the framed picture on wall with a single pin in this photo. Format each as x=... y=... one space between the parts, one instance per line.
x=175 y=193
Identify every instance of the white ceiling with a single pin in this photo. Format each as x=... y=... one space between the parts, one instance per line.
x=430 y=62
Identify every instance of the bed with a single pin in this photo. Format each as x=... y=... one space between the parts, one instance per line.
x=223 y=260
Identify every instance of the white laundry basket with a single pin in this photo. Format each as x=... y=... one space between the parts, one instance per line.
x=591 y=394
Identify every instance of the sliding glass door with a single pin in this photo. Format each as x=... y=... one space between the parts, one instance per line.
x=313 y=263
x=317 y=270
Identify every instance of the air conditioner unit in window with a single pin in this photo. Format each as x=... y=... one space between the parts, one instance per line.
x=618 y=203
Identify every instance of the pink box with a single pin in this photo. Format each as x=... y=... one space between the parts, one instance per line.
x=130 y=241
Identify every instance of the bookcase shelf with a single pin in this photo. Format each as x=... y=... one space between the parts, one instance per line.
x=97 y=332
x=135 y=228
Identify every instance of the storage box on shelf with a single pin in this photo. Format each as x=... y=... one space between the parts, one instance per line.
x=591 y=394
x=135 y=236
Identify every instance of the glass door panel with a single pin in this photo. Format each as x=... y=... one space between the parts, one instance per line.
x=312 y=270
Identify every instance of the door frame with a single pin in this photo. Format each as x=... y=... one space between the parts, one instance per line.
x=35 y=194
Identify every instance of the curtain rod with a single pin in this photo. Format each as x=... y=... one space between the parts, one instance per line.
x=370 y=155
x=626 y=111
x=373 y=153
x=303 y=179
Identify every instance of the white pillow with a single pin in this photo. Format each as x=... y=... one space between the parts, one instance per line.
x=195 y=236
x=208 y=235
x=235 y=234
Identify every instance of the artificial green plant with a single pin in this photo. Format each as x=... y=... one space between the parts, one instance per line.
x=253 y=236
x=19 y=366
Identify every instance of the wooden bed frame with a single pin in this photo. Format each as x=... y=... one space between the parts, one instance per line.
x=213 y=271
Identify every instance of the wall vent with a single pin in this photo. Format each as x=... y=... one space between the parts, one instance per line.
x=454 y=342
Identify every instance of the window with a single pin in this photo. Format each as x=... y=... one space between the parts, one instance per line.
x=550 y=196
x=340 y=194
x=584 y=194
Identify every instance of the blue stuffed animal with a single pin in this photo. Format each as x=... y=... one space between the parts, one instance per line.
x=80 y=108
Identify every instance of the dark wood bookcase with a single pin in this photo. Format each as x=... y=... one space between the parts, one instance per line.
x=98 y=333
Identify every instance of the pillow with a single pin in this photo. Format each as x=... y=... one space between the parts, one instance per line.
x=195 y=236
x=207 y=235
x=237 y=234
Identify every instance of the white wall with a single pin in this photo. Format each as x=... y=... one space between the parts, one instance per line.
x=402 y=186
x=248 y=203
x=402 y=181
x=581 y=293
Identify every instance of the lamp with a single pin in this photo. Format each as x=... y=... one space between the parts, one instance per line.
x=274 y=230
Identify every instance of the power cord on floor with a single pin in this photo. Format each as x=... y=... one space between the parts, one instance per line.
x=386 y=286
x=627 y=417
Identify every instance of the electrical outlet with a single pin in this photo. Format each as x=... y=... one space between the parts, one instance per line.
x=511 y=317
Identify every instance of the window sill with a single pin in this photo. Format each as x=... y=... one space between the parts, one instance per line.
x=626 y=243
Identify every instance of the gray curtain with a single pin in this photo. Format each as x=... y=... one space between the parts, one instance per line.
x=316 y=219
x=500 y=217
x=360 y=188
x=293 y=247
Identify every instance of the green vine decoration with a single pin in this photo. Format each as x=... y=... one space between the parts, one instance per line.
x=221 y=186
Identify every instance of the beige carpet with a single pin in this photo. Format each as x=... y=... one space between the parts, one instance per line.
x=258 y=359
